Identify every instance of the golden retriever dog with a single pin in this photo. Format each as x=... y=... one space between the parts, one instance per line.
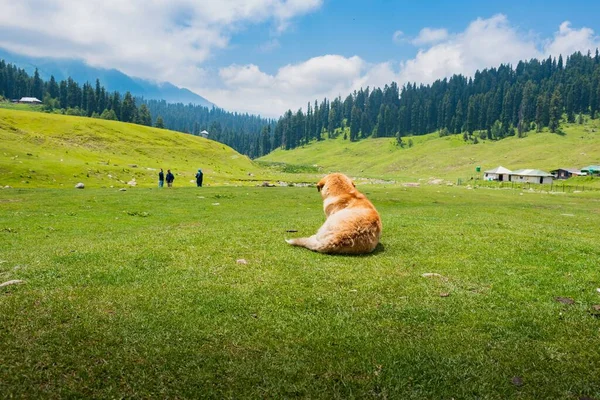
x=352 y=226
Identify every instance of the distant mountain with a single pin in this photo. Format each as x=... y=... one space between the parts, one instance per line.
x=111 y=79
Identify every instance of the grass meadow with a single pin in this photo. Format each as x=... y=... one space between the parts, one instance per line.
x=39 y=150
x=193 y=293
x=450 y=157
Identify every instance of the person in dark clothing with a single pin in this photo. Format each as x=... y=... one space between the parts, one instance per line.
x=199 y=176
x=170 y=178
x=161 y=178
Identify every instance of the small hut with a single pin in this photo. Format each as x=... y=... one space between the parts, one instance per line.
x=204 y=134
x=591 y=169
x=566 y=173
x=29 y=100
x=499 y=174
x=531 y=176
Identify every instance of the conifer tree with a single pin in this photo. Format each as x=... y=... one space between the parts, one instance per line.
x=555 y=110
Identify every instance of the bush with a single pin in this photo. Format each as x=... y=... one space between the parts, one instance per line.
x=74 y=111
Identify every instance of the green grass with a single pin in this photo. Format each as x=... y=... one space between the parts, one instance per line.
x=138 y=294
x=7 y=105
x=50 y=150
x=449 y=157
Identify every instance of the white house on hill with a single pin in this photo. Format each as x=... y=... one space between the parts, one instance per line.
x=531 y=176
x=30 y=100
x=204 y=134
x=497 y=174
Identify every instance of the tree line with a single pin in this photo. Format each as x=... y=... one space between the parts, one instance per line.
x=493 y=104
x=70 y=97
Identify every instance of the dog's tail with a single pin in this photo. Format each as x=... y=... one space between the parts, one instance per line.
x=311 y=243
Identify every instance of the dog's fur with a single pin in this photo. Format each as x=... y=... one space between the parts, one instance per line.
x=353 y=225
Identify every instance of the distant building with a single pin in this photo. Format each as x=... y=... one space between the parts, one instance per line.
x=566 y=173
x=531 y=176
x=204 y=134
x=591 y=169
x=497 y=174
x=29 y=100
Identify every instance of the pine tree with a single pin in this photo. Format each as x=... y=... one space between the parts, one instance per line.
x=159 y=123
x=570 y=104
x=458 y=117
x=555 y=110
x=53 y=88
x=63 y=94
x=539 y=112
x=331 y=123
x=471 y=124
x=144 y=117
x=128 y=109
x=560 y=62
x=37 y=89
x=355 y=117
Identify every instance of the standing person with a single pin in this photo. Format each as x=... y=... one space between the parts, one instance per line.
x=170 y=178
x=199 y=176
x=161 y=178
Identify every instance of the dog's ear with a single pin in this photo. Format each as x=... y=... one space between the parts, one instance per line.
x=320 y=184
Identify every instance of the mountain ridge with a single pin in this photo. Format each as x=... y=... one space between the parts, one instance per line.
x=112 y=79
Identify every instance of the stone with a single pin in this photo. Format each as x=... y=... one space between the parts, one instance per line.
x=80 y=185
x=13 y=282
x=431 y=275
x=267 y=184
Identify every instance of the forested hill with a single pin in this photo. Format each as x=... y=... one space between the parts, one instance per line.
x=242 y=132
x=493 y=104
x=245 y=133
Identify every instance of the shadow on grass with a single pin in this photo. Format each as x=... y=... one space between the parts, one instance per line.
x=560 y=132
x=379 y=249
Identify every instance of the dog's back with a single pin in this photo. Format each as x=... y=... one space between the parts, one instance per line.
x=353 y=225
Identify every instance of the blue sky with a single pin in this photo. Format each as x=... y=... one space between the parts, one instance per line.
x=365 y=28
x=265 y=56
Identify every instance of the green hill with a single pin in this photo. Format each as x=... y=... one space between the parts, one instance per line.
x=49 y=150
x=448 y=157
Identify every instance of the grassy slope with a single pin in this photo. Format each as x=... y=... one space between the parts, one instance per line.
x=449 y=157
x=138 y=294
x=49 y=150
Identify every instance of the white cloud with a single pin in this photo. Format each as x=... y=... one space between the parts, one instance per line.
x=248 y=89
x=245 y=76
x=160 y=39
x=567 y=41
x=430 y=36
x=398 y=37
x=269 y=46
x=484 y=43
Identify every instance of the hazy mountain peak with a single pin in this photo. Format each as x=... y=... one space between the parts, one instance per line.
x=111 y=79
